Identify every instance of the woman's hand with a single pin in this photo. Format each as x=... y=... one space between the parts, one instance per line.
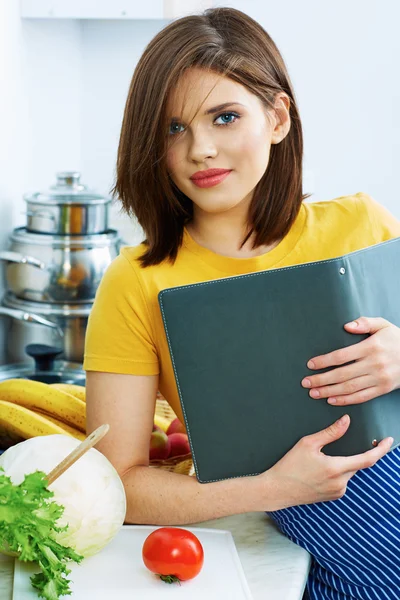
x=306 y=475
x=376 y=370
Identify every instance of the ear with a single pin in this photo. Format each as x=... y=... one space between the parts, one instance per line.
x=282 y=118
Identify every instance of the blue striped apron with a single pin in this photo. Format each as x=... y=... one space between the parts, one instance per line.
x=354 y=540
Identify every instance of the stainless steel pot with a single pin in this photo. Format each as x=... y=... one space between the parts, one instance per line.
x=50 y=324
x=62 y=269
x=52 y=370
x=67 y=208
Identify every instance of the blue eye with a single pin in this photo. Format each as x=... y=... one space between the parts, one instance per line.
x=227 y=119
x=174 y=124
x=228 y=114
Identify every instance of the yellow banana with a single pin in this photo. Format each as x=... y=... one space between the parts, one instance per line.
x=70 y=388
x=36 y=395
x=162 y=422
x=25 y=422
x=7 y=438
x=67 y=428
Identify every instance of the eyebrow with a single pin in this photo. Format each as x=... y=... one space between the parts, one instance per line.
x=215 y=109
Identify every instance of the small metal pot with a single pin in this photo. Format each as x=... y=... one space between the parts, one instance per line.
x=62 y=269
x=67 y=208
x=50 y=324
x=45 y=366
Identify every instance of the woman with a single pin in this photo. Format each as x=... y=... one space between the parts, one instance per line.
x=213 y=92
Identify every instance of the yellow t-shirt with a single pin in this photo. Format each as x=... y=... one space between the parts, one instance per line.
x=125 y=332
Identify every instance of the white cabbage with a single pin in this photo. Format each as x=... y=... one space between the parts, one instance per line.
x=90 y=490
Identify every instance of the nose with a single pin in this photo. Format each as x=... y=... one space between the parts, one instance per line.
x=201 y=146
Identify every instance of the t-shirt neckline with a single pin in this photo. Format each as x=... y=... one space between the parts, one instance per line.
x=269 y=259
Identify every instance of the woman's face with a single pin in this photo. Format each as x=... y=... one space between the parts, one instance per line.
x=236 y=138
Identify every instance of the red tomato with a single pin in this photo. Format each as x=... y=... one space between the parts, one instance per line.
x=173 y=553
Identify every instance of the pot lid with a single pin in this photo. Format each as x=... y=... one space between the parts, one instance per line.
x=81 y=242
x=67 y=190
x=47 y=308
x=46 y=367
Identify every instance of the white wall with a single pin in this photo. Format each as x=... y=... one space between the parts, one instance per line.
x=343 y=60
x=109 y=55
x=52 y=71
x=11 y=100
x=63 y=85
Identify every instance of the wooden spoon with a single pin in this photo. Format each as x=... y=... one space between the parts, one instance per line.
x=73 y=456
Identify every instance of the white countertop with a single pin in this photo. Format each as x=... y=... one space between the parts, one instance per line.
x=275 y=568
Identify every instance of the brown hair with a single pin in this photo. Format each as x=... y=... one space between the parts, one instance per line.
x=231 y=43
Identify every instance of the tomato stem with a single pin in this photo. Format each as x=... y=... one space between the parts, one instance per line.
x=170 y=579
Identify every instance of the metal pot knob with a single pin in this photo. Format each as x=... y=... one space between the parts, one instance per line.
x=69 y=179
x=43 y=355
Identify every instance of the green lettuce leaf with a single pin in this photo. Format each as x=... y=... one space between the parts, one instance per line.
x=27 y=521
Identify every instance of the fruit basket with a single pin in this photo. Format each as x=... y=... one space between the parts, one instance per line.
x=177 y=464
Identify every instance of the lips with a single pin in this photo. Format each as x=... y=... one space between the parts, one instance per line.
x=211 y=180
x=208 y=173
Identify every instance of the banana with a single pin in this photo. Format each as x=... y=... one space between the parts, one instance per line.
x=7 y=438
x=36 y=395
x=162 y=422
x=25 y=422
x=70 y=388
x=67 y=428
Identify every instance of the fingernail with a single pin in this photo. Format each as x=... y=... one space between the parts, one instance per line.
x=391 y=440
x=343 y=419
x=353 y=324
x=307 y=383
x=332 y=400
x=310 y=364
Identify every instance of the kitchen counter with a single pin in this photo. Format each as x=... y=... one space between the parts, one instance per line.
x=275 y=568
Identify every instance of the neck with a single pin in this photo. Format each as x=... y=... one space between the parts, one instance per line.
x=224 y=234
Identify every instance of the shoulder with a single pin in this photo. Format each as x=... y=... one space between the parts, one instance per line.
x=126 y=276
x=121 y=290
x=356 y=215
x=342 y=207
x=121 y=275
x=132 y=254
x=127 y=264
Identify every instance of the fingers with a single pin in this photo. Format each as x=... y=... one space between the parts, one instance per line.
x=329 y=434
x=353 y=384
x=338 y=375
x=360 y=397
x=368 y=458
x=348 y=463
x=340 y=357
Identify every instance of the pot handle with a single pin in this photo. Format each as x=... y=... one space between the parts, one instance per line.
x=21 y=315
x=16 y=257
x=40 y=213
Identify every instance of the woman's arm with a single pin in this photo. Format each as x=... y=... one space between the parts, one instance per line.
x=304 y=475
x=154 y=496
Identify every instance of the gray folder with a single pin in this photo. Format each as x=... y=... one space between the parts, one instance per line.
x=240 y=347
